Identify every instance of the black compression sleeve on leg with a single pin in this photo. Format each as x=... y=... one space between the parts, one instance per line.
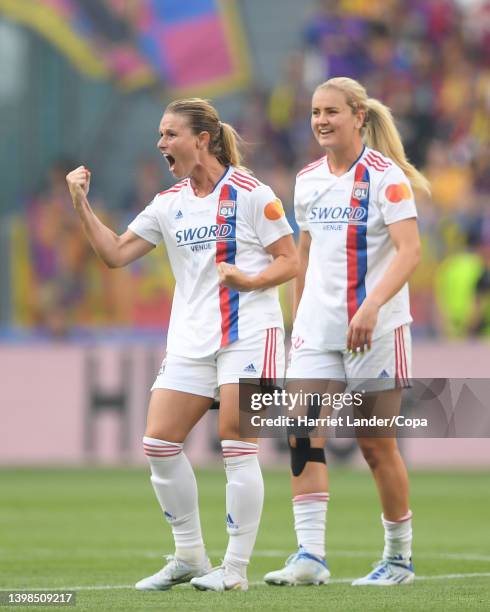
x=302 y=453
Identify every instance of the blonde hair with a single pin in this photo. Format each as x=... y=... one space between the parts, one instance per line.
x=224 y=141
x=379 y=131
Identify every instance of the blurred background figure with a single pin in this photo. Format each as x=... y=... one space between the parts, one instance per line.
x=92 y=95
x=57 y=255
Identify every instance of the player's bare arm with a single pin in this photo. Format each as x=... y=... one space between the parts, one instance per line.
x=304 y=244
x=284 y=267
x=114 y=250
x=405 y=237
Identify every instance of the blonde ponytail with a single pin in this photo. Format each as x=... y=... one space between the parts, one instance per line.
x=381 y=134
x=231 y=142
x=379 y=131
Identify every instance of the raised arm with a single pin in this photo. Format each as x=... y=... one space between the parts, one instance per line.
x=114 y=250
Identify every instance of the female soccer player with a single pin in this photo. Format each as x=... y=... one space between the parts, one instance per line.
x=358 y=246
x=229 y=246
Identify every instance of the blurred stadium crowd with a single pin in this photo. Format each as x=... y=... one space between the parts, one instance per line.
x=428 y=60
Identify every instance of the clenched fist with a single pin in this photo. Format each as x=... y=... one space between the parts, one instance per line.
x=230 y=276
x=78 y=183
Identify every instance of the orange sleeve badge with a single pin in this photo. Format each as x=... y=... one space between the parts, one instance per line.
x=399 y=192
x=274 y=210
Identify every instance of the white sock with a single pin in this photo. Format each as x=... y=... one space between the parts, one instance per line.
x=398 y=537
x=310 y=517
x=244 y=501
x=175 y=486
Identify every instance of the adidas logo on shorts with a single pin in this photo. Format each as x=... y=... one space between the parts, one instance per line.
x=250 y=368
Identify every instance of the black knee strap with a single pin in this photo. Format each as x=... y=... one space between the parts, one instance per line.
x=302 y=453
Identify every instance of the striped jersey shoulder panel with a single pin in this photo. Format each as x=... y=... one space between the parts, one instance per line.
x=175 y=188
x=244 y=180
x=377 y=161
x=312 y=166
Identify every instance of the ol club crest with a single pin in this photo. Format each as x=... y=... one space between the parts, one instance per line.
x=360 y=190
x=227 y=208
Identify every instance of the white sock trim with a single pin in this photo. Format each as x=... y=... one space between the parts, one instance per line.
x=402 y=519
x=161 y=448
x=244 y=501
x=398 y=537
x=310 y=517
x=311 y=497
x=236 y=448
x=175 y=487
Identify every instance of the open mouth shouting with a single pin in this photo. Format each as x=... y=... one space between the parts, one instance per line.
x=170 y=160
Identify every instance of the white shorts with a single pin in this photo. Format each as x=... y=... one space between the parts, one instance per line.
x=386 y=366
x=261 y=356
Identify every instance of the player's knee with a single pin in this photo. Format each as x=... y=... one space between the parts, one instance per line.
x=162 y=433
x=302 y=452
x=375 y=451
x=229 y=431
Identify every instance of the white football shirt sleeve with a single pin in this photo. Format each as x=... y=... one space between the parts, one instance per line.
x=146 y=224
x=270 y=219
x=300 y=211
x=395 y=196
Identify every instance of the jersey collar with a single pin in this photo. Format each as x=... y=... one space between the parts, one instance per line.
x=353 y=165
x=220 y=181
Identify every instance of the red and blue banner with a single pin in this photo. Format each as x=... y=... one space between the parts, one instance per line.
x=192 y=43
x=188 y=46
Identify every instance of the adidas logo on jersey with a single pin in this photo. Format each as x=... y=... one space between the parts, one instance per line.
x=179 y=215
x=250 y=368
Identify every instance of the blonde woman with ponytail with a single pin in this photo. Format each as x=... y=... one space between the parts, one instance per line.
x=358 y=247
x=229 y=246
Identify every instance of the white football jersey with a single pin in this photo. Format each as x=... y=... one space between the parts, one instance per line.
x=233 y=224
x=347 y=217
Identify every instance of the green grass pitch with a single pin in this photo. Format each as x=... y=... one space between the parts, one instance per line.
x=100 y=530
